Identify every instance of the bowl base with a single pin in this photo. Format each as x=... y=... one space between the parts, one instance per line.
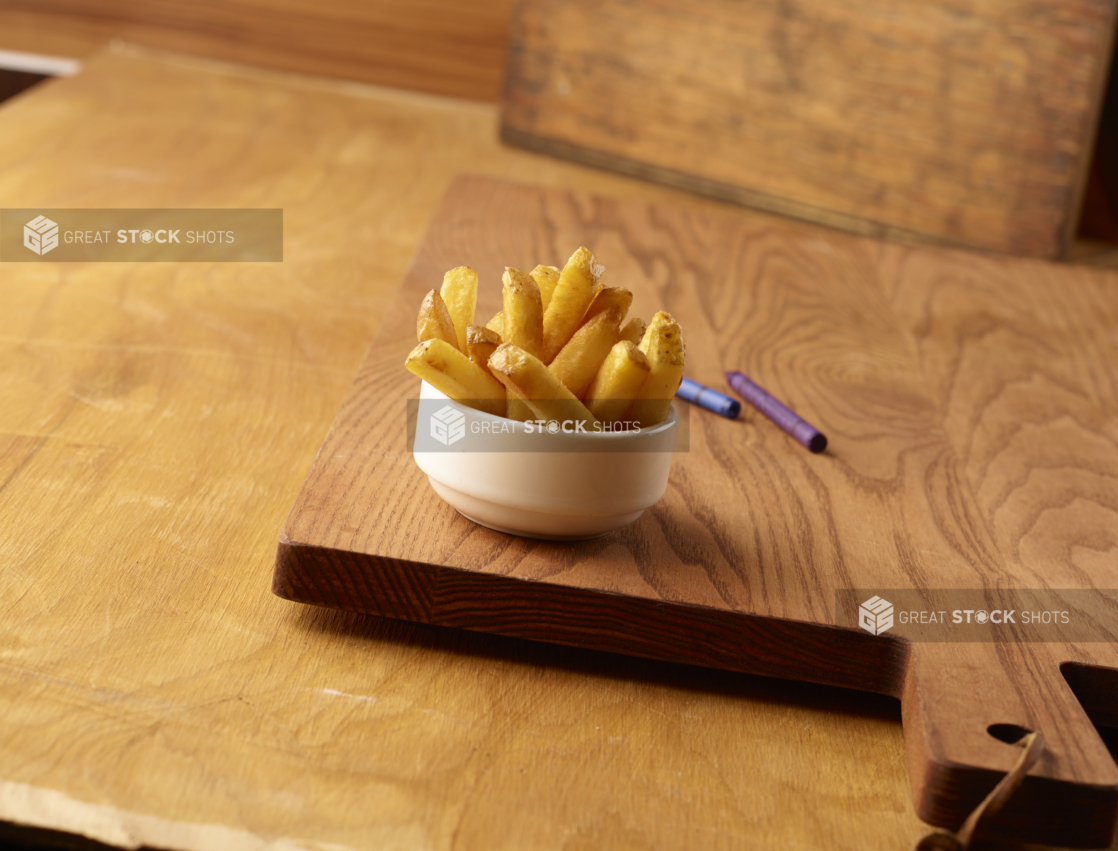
x=532 y=524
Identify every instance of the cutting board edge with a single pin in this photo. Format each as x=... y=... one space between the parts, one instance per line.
x=944 y=792
x=310 y=573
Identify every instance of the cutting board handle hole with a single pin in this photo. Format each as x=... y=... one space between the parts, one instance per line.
x=1011 y=734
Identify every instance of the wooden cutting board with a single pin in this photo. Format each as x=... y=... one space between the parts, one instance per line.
x=965 y=124
x=970 y=404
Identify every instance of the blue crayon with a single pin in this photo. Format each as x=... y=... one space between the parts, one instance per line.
x=711 y=400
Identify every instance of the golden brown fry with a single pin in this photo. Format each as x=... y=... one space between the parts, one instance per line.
x=529 y=378
x=480 y=343
x=562 y=318
x=633 y=330
x=518 y=409
x=646 y=337
x=523 y=320
x=459 y=292
x=663 y=345
x=571 y=297
x=546 y=277
x=578 y=362
x=606 y=298
x=617 y=383
x=434 y=321
x=662 y=317
x=449 y=371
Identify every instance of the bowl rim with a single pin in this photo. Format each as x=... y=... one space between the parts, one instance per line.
x=667 y=424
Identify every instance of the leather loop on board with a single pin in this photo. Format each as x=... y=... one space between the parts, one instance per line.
x=945 y=840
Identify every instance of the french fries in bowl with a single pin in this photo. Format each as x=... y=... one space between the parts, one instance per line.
x=554 y=419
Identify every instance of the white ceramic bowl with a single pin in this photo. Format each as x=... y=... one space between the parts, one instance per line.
x=562 y=486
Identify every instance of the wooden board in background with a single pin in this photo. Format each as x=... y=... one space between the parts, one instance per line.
x=972 y=441
x=53 y=35
x=1100 y=198
x=13 y=83
x=930 y=121
x=437 y=46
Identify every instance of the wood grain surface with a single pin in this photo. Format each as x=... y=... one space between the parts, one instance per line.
x=972 y=444
x=437 y=46
x=156 y=424
x=52 y=35
x=945 y=122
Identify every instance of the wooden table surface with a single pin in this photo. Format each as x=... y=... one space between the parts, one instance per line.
x=156 y=423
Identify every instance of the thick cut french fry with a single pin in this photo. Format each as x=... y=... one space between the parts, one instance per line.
x=606 y=298
x=518 y=409
x=662 y=317
x=434 y=321
x=546 y=277
x=633 y=330
x=529 y=377
x=449 y=371
x=617 y=383
x=480 y=344
x=569 y=300
x=523 y=320
x=663 y=345
x=459 y=292
x=578 y=362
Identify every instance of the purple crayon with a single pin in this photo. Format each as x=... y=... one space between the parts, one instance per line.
x=803 y=431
